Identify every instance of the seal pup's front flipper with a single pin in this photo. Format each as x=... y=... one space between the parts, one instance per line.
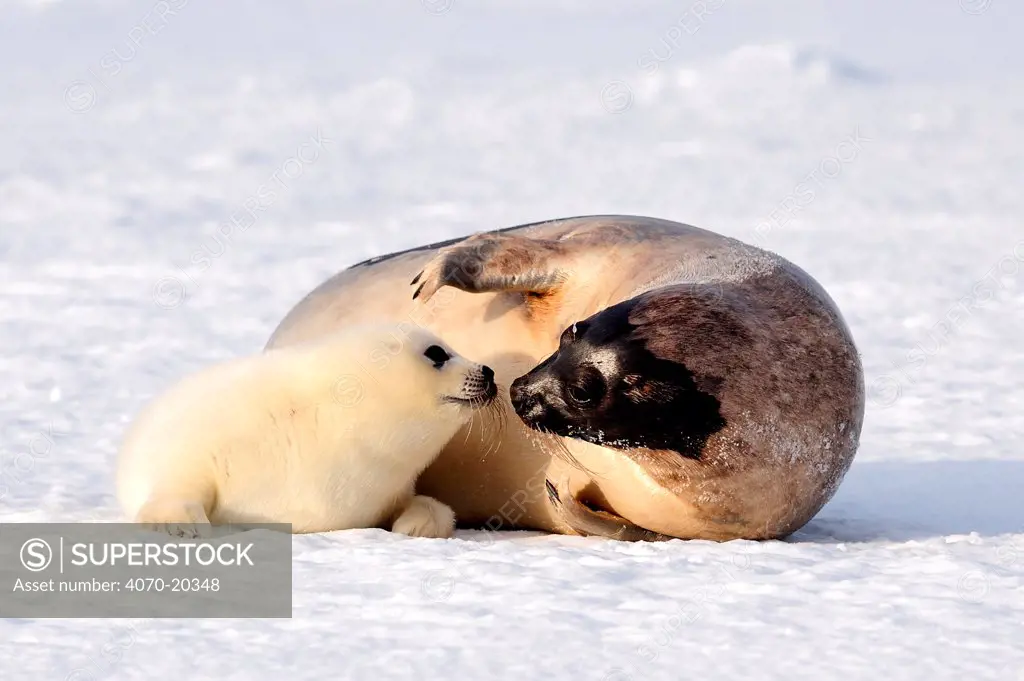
x=185 y=515
x=424 y=516
x=586 y=521
x=493 y=262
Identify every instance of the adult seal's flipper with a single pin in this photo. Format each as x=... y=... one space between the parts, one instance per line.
x=493 y=262
x=586 y=521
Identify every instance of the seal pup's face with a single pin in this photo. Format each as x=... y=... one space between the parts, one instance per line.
x=620 y=379
x=424 y=373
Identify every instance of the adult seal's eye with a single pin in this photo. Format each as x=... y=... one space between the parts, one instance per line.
x=437 y=355
x=580 y=395
x=585 y=393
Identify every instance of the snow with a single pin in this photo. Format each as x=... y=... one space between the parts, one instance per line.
x=877 y=147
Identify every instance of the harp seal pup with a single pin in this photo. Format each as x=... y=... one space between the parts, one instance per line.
x=666 y=381
x=325 y=435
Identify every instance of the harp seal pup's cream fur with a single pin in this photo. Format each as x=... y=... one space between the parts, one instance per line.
x=326 y=435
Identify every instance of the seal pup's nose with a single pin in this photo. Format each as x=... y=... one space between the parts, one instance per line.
x=490 y=387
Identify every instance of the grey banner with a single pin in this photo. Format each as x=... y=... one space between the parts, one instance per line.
x=128 y=570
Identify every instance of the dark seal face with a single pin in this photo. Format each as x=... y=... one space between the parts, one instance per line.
x=620 y=378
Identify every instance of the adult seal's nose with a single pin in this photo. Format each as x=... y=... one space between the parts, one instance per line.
x=517 y=391
x=488 y=373
x=525 y=401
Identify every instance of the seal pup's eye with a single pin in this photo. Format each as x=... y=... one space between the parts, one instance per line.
x=437 y=355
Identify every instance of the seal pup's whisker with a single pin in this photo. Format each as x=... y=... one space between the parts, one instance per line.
x=469 y=429
x=497 y=411
x=499 y=414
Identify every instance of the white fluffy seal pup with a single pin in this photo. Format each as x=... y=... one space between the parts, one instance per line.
x=325 y=435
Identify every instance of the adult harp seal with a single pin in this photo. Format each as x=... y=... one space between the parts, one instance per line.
x=702 y=387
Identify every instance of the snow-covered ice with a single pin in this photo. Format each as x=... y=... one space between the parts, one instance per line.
x=877 y=147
